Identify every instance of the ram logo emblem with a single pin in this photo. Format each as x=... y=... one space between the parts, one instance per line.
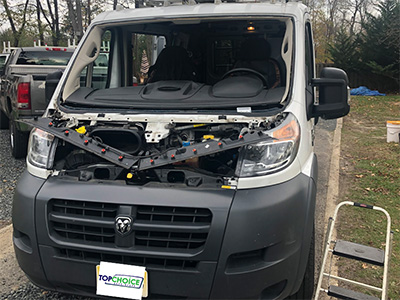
x=123 y=225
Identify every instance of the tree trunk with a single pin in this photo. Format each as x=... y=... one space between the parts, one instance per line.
x=79 y=32
x=56 y=34
x=41 y=37
x=10 y=19
x=16 y=33
x=72 y=16
x=88 y=13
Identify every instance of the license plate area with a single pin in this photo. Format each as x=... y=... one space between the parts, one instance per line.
x=120 y=280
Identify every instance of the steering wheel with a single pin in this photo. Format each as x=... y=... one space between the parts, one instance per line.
x=247 y=70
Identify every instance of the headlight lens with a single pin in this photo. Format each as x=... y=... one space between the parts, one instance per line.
x=272 y=155
x=39 y=147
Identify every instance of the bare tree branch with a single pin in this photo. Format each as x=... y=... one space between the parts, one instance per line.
x=10 y=19
x=50 y=23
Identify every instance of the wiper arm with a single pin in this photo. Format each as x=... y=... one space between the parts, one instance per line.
x=140 y=163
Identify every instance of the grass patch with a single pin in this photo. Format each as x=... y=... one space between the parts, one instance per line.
x=370 y=173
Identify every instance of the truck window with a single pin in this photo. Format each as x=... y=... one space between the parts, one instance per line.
x=11 y=58
x=50 y=57
x=2 y=60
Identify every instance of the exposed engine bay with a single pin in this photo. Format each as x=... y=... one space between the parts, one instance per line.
x=191 y=154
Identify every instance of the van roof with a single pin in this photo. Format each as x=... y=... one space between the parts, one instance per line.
x=204 y=10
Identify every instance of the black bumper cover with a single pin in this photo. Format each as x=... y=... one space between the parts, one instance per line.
x=257 y=246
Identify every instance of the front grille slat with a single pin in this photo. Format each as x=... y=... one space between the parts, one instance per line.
x=83 y=207
x=174 y=214
x=86 y=222
x=149 y=262
x=82 y=232
x=170 y=240
x=81 y=220
x=167 y=227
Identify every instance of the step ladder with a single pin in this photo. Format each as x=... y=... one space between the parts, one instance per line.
x=358 y=252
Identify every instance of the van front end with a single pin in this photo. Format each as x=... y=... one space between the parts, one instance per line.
x=199 y=168
x=195 y=243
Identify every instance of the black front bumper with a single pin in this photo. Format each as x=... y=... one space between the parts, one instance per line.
x=253 y=244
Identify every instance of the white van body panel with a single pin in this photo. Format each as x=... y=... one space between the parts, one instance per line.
x=302 y=162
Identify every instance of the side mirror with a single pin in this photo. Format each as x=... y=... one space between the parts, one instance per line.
x=52 y=80
x=333 y=94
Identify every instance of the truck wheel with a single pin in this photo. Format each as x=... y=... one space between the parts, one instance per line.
x=18 y=141
x=3 y=120
x=306 y=290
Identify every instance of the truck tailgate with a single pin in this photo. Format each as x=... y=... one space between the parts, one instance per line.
x=36 y=75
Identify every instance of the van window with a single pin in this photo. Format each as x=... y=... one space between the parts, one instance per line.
x=225 y=55
x=146 y=48
x=309 y=50
x=309 y=68
x=99 y=74
x=96 y=74
x=100 y=70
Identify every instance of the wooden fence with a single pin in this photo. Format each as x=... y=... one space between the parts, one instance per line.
x=372 y=81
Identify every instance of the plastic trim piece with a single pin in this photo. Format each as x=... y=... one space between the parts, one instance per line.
x=138 y=163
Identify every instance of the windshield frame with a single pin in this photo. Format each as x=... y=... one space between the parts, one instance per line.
x=60 y=105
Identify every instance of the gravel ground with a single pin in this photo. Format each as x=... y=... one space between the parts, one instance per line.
x=10 y=171
x=29 y=291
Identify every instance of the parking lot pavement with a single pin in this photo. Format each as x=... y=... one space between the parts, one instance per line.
x=17 y=286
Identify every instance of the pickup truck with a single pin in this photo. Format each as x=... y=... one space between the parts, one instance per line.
x=22 y=91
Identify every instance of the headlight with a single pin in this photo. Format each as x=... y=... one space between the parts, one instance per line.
x=272 y=155
x=39 y=148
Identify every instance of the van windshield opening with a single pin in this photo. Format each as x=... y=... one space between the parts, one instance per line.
x=203 y=64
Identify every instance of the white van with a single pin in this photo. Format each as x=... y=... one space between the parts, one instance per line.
x=203 y=175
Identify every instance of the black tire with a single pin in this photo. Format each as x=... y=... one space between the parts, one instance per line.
x=18 y=141
x=306 y=290
x=3 y=120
